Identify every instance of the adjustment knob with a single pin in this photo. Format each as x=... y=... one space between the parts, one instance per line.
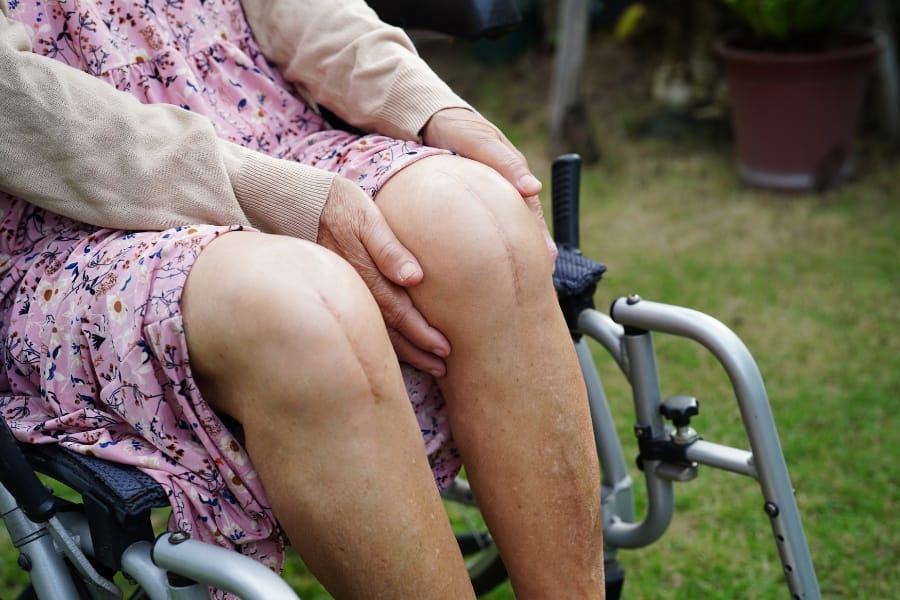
x=680 y=409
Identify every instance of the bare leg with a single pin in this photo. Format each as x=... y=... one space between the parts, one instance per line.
x=285 y=338
x=517 y=403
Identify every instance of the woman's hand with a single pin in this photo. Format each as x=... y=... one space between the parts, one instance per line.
x=352 y=226
x=470 y=135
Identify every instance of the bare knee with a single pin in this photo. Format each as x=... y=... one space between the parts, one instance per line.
x=469 y=228
x=280 y=315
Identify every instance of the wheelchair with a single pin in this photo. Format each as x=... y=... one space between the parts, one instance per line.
x=79 y=549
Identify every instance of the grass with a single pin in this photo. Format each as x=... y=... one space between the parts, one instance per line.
x=810 y=282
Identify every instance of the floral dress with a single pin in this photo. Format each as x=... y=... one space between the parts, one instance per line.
x=91 y=337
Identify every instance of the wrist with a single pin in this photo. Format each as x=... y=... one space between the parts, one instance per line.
x=430 y=134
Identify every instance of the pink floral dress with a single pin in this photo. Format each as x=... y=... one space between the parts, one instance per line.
x=91 y=337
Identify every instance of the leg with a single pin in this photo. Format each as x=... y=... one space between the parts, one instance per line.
x=517 y=403
x=307 y=368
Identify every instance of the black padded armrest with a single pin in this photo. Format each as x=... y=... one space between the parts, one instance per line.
x=125 y=489
x=468 y=19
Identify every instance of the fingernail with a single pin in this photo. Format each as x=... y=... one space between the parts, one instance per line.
x=408 y=270
x=529 y=181
x=442 y=352
x=551 y=247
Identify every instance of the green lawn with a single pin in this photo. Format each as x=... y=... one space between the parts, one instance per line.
x=811 y=283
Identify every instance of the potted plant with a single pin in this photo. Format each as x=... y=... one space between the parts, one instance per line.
x=797 y=77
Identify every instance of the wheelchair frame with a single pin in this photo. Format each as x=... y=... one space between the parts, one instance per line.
x=668 y=453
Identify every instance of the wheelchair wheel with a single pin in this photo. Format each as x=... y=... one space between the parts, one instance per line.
x=483 y=562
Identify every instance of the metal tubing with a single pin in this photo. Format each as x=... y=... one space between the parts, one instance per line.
x=660 y=505
x=753 y=402
x=639 y=367
x=48 y=572
x=100 y=586
x=220 y=568
x=78 y=527
x=721 y=457
x=137 y=563
x=195 y=591
x=645 y=382
x=608 y=333
x=613 y=469
x=638 y=349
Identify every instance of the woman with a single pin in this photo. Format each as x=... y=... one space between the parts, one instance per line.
x=184 y=237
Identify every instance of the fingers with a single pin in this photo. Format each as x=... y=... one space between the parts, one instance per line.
x=534 y=204
x=353 y=227
x=514 y=165
x=411 y=355
x=472 y=136
x=422 y=345
x=492 y=148
x=396 y=263
x=391 y=257
x=351 y=222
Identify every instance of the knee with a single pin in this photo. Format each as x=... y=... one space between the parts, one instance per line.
x=474 y=231
x=283 y=308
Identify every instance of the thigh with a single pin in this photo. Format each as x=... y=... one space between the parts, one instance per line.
x=368 y=160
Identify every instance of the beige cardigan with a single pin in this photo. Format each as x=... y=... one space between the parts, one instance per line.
x=76 y=146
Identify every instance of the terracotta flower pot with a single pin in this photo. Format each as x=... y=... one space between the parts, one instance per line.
x=796 y=115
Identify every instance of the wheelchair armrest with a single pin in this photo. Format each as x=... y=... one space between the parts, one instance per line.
x=124 y=489
x=467 y=19
x=117 y=499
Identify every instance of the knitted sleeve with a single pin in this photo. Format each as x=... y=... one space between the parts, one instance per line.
x=365 y=71
x=74 y=145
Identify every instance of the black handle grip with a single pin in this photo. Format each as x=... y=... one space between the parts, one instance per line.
x=565 y=182
x=19 y=478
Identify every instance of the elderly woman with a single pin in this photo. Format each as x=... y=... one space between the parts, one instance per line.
x=184 y=237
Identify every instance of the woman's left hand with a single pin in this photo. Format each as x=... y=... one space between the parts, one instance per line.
x=470 y=135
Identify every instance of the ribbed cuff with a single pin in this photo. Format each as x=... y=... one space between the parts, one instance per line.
x=281 y=196
x=412 y=100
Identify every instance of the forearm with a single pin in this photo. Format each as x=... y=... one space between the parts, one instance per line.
x=76 y=146
x=348 y=60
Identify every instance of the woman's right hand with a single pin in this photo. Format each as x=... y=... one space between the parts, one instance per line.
x=352 y=226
